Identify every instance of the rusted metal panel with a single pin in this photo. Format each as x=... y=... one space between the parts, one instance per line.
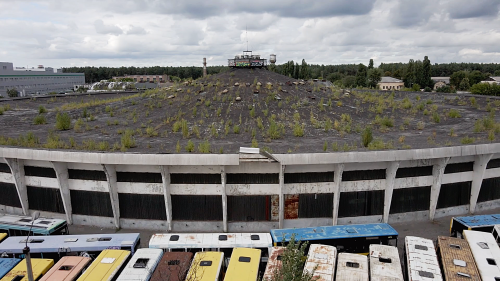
x=451 y=250
x=274 y=263
x=291 y=206
x=321 y=259
x=384 y=263
x=275 y=207
x=173 y=266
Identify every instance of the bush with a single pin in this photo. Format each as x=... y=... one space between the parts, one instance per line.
x=204 y=147
x=467 y=140
x=446 y=89
x=39 y=120
x=41 y=109
x=428 y=89
x=236 y=129
x=63 y=121
x=435 y=117
x=190 y=146
x=12 y=93
x=485 y=89
x=366 y=136
x=298 y=130
x=127 y=139
x=453 y=113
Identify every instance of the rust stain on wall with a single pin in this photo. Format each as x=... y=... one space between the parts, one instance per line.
x=275 y=207
x=291 y=206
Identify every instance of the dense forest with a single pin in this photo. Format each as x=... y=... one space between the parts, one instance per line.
x=415 y=73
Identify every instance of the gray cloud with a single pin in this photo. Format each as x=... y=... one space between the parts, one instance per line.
x=411 y=12
x=136 y=30
x=102 y=28
x=462 y=9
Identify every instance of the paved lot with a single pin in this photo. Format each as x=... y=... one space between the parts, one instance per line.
x=426 y=229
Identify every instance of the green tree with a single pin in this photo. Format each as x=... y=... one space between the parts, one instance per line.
x=426 y=73
x=457 y=77
x=409 y=76
x=370 y=64
x=349 y=81
x=464 y=84
x=305 y=72
x=12 y=93
x=361 y=76
x=374 y=76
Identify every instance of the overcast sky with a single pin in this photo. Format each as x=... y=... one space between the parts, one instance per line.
x=62 y=33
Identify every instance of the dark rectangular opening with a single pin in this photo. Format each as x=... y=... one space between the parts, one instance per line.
x=363 y=175
x=352 y=264
x=66 y=267
x=87 y=175
x=104 y=238
x=173 y=262
x=248 y=208
x=254 y=237
x=4 y=168
x=491 y=261
x=361 y=203
x=36 y=241
x=454 y=194
x=459 y=167
x=425 y=274
x=9 y=195
x=253 y=178
x=45 y=199
x=412 y=199
x=490 y=190
x=455 y=246
x=316 y=205
x=141 y=263
x=385 y=260
x=414 y=172
x=18 y=278
x=174 y=238
x=195 y=178
x=138 y=177
x=43 y=172
x=205 y=263
x=91 y=203
x=421 y=247
x=222 y=237
x=492 y=164
x=244 y=259
x=142 y=206
x=309 y=177
x=197 y=207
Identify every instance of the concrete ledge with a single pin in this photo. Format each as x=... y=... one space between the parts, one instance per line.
x=360 y=220
x=452 y=211
x=411 y=216
x=488 y=205
x=258 y=226
x=197 y=226
x=158 y=225
x=311 y=222
x=105 y=222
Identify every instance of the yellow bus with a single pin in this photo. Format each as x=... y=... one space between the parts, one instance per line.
x=244 y=265
x=106 y=266
x=19 y=272
x=206 y=266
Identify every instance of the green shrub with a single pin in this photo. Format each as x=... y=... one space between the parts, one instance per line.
x=236 y=129
x=63 y=121
x=103 y=146
x=39 y=120
x=366 y=136
x=190 y=146
x=41 y=109
x=453 y=113
x=127 y=139
x=255 y=144
x=204 y=147
x=298 y=130
x=78 y=127
x=435 y=117
x=467 y=140
x=151 y=132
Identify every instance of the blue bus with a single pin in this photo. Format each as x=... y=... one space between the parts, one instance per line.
x=6 y=265
x=56 y=247
x=355 y=238
x=483 y=223
x=20 y=225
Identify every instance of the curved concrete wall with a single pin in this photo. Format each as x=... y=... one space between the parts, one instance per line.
x=283 y=196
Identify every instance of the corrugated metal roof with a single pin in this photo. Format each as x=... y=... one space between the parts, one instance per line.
x=334 y=232
x=387 y=79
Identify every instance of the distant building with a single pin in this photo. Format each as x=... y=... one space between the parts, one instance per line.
x=389 y=83
x=440 y=82
x=492 y=80
x=146 y=78
x=40 y=80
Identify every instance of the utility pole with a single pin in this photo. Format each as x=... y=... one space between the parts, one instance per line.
x=26 y=250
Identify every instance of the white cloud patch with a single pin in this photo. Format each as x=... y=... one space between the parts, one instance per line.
x=102 y=28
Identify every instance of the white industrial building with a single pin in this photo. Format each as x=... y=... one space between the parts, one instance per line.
x=40 y=80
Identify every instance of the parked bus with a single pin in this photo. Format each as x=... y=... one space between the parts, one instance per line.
x=495 y=232
x=479 y=223
x=173 y=266
x=206 y=266
x=486 y=253
x=7 y=265
x=20 y=273
x=106 y=266
x=421 y=259
x=352 y=267
x=67 y=269
x=244 y=265
x=321 y=259
x=219 y=242
x=456 y=259
x=57 y=246
x=141 y=265
x=274 y=263
x=385 y=264
x=20 y=226
x=346 y=238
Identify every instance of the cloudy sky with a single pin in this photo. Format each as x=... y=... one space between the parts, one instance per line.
x=62 y=33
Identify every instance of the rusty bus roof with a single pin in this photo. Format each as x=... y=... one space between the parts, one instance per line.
x=173 y=266
x=273 y=263
x=322 y=258
x=457 y=259
x=385 y=264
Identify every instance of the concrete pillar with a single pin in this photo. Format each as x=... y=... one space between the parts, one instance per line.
x=480 y=163
x=337 y=179
x=437 y=175
x=282 y=196
x=61 y=170
x=110 y=172
x=224 y=198
x=17 y=168
x=390 y=176
x=165 y=176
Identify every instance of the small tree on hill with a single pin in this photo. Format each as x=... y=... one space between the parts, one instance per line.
x=12 y=93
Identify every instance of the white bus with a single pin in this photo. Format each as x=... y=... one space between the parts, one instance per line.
x=486 y=253
x=273 y=263
x=142 y=265
x=385 y=264
x=421 y=259
x=496 y=233
x=352 y=267
x=218 y=242
x=321 y=259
